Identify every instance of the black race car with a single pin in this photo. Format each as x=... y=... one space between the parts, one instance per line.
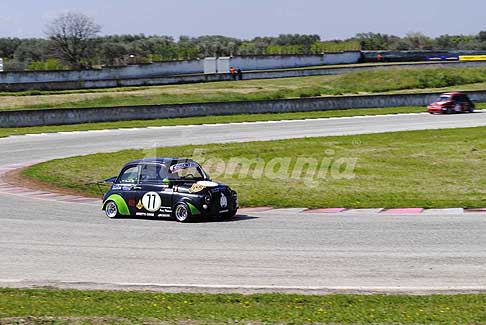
x=167 y=187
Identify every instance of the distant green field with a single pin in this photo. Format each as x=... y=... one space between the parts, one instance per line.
x=102 y=307
x=429 y=169
x=368 y=82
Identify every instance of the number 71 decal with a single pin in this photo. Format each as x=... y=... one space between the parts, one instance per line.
x=151 y=201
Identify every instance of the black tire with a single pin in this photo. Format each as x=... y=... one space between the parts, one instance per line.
x=470 y=109
x=182 y=213
x=111 y=210
x=230 y=215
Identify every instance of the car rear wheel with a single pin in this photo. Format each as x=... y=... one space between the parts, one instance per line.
x=111 y=210
x=470 y=109
x=182 y=213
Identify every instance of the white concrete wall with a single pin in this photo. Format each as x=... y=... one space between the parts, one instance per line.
x=248 y=75
x=157 y=69
x=210 y=65
x=224 y=64
x=23 y=118
x=342 y=58
x=131 y=71
x=292 y=61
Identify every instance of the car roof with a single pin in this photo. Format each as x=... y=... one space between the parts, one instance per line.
x=455 y=93
x=158 y=160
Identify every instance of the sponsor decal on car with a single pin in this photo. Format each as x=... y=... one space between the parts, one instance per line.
x=223 y=202
x=166 y=210
x=140 y=205
x=122 y=187
x=195 y=188
x=201 y=185
x=177 y=167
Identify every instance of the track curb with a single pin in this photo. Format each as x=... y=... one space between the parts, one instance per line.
x=41 y=194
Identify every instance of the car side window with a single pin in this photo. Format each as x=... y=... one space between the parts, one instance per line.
x=153 y=174
x=129 y=176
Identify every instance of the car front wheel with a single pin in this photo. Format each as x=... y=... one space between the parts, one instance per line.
x=182 y=213
x=111 y=210
x=230 y=215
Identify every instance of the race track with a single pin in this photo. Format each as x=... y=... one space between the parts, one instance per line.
x=74 y=245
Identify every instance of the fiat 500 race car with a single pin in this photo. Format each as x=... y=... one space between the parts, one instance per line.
x=167 y=187
x=451 y=103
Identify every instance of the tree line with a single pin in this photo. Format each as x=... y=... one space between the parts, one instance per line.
x=73 y=41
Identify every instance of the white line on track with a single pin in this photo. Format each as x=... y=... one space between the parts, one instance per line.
x=241 y=288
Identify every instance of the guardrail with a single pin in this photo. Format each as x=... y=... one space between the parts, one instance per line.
x=62 y=116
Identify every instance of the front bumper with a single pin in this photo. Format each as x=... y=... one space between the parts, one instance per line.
x=437 y=109
x=219 y=205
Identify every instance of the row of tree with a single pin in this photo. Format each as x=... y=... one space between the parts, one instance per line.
x=419 y=41
x=73 y=42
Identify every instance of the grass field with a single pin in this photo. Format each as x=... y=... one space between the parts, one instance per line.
x=62 y=307
x=380 y=81
x=430 y=169
x=213 y=119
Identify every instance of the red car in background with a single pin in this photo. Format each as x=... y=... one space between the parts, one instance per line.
x=451 y=103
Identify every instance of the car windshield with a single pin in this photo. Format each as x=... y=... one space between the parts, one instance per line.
x=444 y=98
x=178 y=170
x=186 y=170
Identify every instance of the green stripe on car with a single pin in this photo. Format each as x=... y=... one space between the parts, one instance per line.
x=194 y=210
x=120 y=204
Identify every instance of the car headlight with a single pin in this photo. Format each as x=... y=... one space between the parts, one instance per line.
x=207 y=198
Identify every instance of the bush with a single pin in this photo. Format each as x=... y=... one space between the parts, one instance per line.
x=48 y=65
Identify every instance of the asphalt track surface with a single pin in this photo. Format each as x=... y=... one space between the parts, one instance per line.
x=74 y=245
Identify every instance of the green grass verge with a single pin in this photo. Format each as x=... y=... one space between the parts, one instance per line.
x=368 y=82
x=213 y=120
x=138 y=307
x=430 y=169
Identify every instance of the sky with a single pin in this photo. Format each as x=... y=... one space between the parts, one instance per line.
x=331 y=19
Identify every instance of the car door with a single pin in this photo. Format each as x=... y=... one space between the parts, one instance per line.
x=468 y=104
x=458 y=103
x=153 y=194
x=126 y=184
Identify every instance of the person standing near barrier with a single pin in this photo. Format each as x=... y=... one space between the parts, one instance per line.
x=232 y=71
x=239 y=74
